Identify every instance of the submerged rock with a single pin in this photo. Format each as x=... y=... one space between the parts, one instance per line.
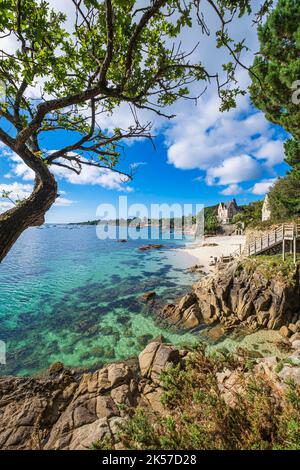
x=150 y=247
x=148 y=296
x=197 y=268
x=144 y=339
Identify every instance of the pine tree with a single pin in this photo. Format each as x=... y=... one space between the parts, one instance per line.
x=276 y=71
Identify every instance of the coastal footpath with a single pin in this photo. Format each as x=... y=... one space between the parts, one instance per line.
x=168 y=399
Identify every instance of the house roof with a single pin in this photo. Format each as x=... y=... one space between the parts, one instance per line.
x=229 y=203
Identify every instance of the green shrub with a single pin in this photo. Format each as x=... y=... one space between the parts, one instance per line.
x=251 y=214
x=284 y=198
x=197 y=417
x=270 y=267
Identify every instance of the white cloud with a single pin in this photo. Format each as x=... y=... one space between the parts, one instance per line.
x=233 y=170
x=16 y=190
x=22 y=191
x=5 y=206
x=19 y=169
x=206 y=138
x=262 y=187
x=93 y=176
x=63 y=202
x=122 y=117
x=89 y=175
x=272 y=152
x=232 y=189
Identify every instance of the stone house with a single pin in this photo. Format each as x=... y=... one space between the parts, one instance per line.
x=227 y=210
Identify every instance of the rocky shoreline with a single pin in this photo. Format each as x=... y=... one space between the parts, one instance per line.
x=65 y=409
x=71 y=412
x=240 y=294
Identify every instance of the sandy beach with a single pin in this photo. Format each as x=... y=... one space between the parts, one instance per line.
x=203 y=252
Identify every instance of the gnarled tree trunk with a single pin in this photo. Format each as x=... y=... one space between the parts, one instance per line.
x=30 y=212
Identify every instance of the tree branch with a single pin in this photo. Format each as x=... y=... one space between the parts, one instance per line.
x=109 y=43
x=147 y=15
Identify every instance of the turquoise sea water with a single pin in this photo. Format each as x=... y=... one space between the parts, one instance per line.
x=67 y=296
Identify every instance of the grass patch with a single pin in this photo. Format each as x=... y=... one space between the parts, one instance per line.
x=102 y=444
x=271 y=267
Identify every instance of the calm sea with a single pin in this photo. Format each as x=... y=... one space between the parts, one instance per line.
x=67 y=296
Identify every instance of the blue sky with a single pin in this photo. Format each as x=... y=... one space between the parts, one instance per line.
x=200 y=157
x=156 y=178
